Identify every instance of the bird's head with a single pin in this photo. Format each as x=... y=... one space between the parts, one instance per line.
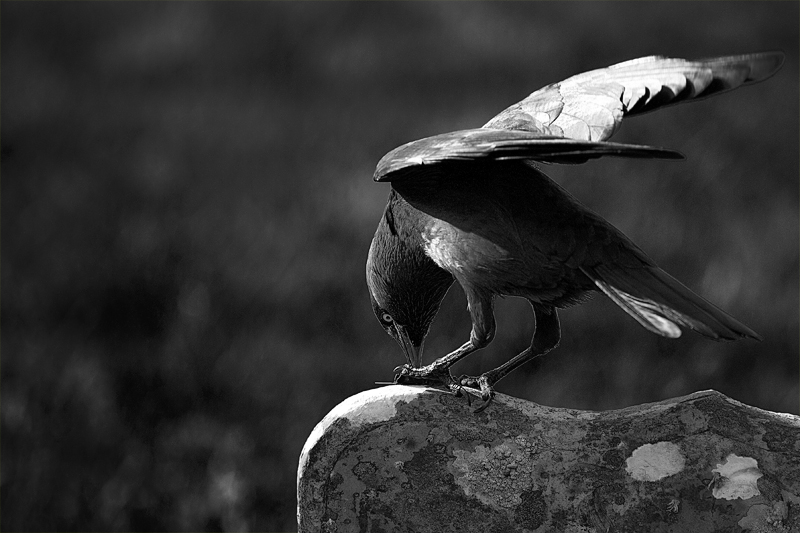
x=409 y=332
x=406 y=287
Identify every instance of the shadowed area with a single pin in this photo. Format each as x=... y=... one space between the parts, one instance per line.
x=188 y=203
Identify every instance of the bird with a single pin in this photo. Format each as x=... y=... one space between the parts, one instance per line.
x=474 y=207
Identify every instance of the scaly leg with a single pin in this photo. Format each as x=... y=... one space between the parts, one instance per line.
x=546 y=337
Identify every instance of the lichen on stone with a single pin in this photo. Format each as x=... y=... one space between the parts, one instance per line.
x=652 y=462
x=736 y=478
x=763 y=518
x=496 y=475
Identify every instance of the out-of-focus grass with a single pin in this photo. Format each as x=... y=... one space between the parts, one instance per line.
x=187 y=207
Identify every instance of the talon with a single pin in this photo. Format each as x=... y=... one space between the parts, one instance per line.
x=482 y=383
x=457 y=390
x=405 y=378
x=469 y=399
x=402 y=375
x=402 y=369
x=487 y=399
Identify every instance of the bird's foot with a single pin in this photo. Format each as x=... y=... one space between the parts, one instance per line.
x=484 y=384
x=427 y=375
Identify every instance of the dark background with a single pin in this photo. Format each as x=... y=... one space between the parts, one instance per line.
x=187 y=206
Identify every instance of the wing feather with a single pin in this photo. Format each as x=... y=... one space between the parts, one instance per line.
x=661 y=303
x=489 y=144
x=570 y=121
x=630 y=88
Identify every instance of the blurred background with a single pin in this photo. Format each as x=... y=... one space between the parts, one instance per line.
x=187 y=205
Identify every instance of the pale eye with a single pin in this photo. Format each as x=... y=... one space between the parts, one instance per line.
x=386 y=317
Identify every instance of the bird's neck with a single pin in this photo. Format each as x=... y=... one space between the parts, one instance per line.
x=397 y=254
x=405 y=224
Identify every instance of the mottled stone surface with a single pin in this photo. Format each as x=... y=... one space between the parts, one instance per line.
x=411 y=459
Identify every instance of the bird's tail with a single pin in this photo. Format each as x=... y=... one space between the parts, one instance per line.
x=661 y=303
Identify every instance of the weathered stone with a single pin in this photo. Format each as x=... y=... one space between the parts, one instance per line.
x=414 y=459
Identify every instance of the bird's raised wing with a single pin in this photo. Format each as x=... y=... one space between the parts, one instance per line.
x=590 y=106
x=497 y=144
x=568 y=121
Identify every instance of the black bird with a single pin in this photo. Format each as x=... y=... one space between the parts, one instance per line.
x=472 y=206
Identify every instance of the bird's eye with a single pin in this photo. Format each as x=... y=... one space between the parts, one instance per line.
x=386 y=317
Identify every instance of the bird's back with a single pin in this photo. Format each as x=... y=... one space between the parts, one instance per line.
x=507 y=228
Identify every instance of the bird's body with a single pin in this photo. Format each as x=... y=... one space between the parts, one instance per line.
x=518 y=234
x=470 y=206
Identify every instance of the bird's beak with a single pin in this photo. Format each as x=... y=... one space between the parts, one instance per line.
x=413 y=353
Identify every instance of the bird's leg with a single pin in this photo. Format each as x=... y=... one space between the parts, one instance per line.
x=546 y=337
x=483 y=328
x=435 y=373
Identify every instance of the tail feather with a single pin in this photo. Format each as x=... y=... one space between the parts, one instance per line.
x=661 y=303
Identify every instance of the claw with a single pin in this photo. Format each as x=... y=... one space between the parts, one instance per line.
x=402 y=369
x=481 y=383
x=486 y=401
x=457 y=390
x=469 y=399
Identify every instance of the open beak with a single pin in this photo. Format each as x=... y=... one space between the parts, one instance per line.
x=413 y=353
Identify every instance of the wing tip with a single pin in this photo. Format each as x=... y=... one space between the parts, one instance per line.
x=761 y=65
x=672 y=155
x=765 y=65
x=741 y=332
